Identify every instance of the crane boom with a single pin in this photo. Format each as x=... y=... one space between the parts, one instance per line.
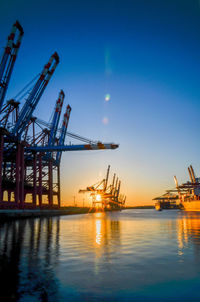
x=35 y=95
x=60 y=148
x=9 y=58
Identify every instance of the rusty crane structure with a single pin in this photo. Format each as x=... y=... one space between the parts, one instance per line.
x=31 y=149
x=104 y=195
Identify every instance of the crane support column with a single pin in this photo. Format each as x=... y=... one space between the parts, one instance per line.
x=34 y=196
x=17 y=173
x=21 y=194
x=58 y=180
x=40 y=180
x=1 y=165
x=50 y=174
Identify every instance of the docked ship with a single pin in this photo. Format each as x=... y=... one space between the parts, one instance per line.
x=167 y=201
x=189 y=192
x=192 y=205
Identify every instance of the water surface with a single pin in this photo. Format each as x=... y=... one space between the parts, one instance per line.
x=133 y=255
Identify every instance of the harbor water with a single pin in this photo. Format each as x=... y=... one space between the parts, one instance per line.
x=132 y=255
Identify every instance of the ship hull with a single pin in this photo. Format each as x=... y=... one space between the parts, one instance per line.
x=193 y=205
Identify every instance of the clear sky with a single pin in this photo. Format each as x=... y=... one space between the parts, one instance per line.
x=146 y=55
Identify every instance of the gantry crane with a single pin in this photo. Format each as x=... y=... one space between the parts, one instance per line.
x=9 y=58
x=35 y=95
x=28 y=162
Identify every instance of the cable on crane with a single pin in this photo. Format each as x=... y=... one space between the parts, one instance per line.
x=27 y=85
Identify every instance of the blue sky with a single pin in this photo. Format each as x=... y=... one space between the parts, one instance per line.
x=146 y=55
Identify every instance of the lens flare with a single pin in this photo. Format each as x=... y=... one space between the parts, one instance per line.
x=107 y=97
x=105 y=120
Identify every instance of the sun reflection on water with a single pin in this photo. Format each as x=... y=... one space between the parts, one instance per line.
x=188 y=230
x=98 y=231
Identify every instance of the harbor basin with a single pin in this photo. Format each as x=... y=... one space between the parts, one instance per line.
x=130 y=255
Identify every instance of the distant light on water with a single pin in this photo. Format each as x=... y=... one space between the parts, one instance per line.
x=107 y=97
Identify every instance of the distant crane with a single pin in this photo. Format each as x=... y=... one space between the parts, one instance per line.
x=107 y=196
x=186 y=191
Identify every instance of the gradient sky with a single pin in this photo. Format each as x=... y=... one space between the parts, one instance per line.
x=146 y=55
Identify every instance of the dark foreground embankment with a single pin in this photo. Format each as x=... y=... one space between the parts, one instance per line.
x=6 y=214
x=24 y=213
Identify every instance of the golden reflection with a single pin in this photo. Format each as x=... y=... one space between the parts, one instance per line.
x=188 y=229
x=98 y=231
x=99 y=215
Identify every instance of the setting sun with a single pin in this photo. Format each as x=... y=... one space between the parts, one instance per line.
x=98 y=197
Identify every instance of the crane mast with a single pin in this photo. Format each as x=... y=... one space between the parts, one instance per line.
x=118 y=190
x=190 y=174
x=116 y=184
x=9 y=58
x=35 y=95
x=63 y=131
x=113 y=183
x=193 y=175
x=106 y=181
x=56 y=118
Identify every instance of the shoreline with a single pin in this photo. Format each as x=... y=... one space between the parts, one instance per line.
x=9 y=214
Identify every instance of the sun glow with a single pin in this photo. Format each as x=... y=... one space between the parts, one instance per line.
x=98 y=197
